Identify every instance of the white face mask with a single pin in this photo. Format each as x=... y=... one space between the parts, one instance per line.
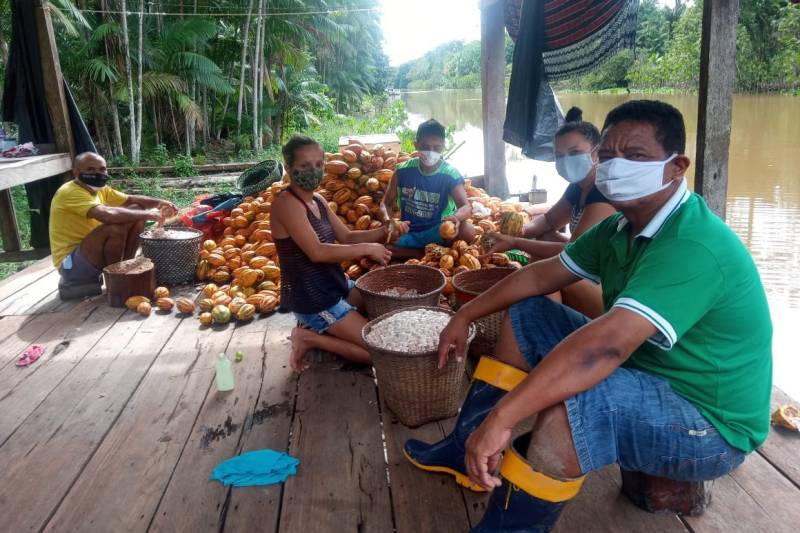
x=621 y=180
x=574 y=168
x=429 y=158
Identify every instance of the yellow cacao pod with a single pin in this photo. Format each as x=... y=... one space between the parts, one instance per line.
x=258 y=261
x=384 y=175
x=341 y=196
x=499 y=259
x=249 y=277
x=206 y=319
x=144 y=308
x=268 y=304
x=271 y=272
x=185 y=305
x=349 y=156
x=446 y=262
x=236 y=304
x=221 y=276
x=448 y=230
x=161 y=292
x=216 y=260
x=201 y=271
x=165 y=304
x=336 y=167
x=511 y=223
x=210 y=289
x=206 y=304
x=246 y=312
x=470 y=261
x=363 y=222
x=133 y=302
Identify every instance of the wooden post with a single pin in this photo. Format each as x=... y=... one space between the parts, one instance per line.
x=493 y=68
x=8 y=223
x=53 y=81
x=717 y=77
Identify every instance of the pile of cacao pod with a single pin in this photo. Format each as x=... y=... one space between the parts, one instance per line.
x=354 y=184
x=162 y=301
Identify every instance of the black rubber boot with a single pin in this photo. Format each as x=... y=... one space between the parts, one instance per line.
x=528 y=501
x=492 y=380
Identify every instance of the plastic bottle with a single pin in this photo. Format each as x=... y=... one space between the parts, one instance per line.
x=224 y=373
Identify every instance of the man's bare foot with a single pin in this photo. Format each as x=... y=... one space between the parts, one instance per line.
x=300 y=346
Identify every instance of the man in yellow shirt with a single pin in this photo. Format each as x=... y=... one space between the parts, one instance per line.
x=93 y=226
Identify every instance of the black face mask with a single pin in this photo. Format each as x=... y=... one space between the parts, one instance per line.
x=97 y=179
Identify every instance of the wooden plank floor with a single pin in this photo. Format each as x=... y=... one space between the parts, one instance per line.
x=118 y=427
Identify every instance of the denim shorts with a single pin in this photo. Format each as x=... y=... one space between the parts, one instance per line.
x=75 y=268
x=322 y=321
x=632 y=417
x=420 y=239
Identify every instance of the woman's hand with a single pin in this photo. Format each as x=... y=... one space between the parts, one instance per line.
x=377 y=253
x=453 y=338
x=483 y=452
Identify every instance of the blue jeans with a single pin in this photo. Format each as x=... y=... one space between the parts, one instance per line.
x=632 y=417
x=322 y=321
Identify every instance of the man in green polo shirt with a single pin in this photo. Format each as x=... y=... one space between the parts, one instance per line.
x=673 y=380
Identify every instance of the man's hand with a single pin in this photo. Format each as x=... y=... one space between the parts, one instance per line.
x=483 y=451
x=453 y=338
x=502 y=243
x=454 y=220
x=156 y=215
x=396 y=229
x=167 y=208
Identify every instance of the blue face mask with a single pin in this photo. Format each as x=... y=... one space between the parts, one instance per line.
x=574 y=168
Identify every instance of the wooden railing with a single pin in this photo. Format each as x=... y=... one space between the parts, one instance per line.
x=20 y=172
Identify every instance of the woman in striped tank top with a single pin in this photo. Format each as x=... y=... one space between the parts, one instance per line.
x=312 y=243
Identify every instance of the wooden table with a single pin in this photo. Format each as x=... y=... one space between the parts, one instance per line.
x=20 y=172
x=119 y=425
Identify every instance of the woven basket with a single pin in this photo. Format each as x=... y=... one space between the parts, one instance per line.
x=175 y=260
x=259 y=177
x=427 y=281
x=467 y=286
x=414 y=389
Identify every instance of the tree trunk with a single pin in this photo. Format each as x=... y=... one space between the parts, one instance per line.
x=156 y=126
x=262 y=75
x=255 y=67
x=243 y=61
x=139 y=113
x=126 y=48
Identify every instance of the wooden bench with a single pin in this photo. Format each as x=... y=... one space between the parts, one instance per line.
x=663 y=495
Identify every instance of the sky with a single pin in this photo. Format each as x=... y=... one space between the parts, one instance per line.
x=413 y=27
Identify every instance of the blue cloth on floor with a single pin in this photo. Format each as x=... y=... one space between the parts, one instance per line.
x=260 y=467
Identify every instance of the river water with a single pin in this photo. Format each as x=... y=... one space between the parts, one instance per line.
x=763 y=186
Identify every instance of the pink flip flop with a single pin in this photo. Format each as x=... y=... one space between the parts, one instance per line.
x=30 y=355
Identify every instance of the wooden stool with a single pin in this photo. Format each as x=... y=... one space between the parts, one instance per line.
x=134 y=277
x=659 y=494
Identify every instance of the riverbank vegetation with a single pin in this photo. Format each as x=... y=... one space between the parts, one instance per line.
x=666 y=57
x=218 y=80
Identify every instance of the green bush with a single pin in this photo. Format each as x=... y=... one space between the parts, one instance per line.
x=184 y=166
x=160 y=155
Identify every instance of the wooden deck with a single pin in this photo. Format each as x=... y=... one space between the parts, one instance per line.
x=118 y=427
